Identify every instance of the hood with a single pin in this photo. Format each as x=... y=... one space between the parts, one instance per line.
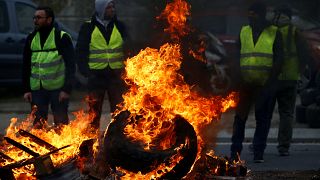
x=100 y=6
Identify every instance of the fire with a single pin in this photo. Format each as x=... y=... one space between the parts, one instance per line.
x=72 y=134
x=158 y=93
x=176 y=14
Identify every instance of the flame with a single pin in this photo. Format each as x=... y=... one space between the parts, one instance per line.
x=176 y=14
x=72 y=134
x=158 y=93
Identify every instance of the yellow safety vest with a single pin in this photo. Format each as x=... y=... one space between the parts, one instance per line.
x=290 y=68
x=256 y=60
x=47 y=66
x=103 y=54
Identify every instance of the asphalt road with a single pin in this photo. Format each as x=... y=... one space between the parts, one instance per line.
x=303 y=156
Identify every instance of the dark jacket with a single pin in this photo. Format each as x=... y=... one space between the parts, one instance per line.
x=84 y=38
x=65 y=48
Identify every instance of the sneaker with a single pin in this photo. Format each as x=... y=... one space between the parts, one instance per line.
x=283 y=150
x=284 y=153
x=258 y=158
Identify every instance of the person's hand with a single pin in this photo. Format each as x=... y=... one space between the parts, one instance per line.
x=27 y=96
x=63 y=96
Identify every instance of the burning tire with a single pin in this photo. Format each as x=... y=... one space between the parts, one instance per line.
x=122 y=152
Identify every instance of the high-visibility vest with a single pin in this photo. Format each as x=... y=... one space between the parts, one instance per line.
x=256 y=60
x=290 y=68
x=47 y=65
x=103 y=54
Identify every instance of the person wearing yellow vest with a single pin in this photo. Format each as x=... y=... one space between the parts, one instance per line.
x=260 y=57
x=287 y=85
x=100 y=52
x=48 y=69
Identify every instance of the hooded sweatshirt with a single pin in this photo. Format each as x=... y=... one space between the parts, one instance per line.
x=100 y=6
x=84 y=37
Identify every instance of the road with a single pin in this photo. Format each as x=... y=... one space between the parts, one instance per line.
x=305 y=150
x=303 y=156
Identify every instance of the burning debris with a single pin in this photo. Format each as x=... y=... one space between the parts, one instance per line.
x=210 y=166
x=28 y=153
x=155 y=134
x=124 y=152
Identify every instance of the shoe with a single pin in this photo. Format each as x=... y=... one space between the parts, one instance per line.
x=234 y=157
x=258 y=157
x=284 y=153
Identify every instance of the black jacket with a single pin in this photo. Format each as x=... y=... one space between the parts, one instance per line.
x=84 y=38
x=65 y=48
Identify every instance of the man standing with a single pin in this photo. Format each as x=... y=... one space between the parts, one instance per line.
x=260 y=62
x=100 y=56
x=287 y=84
x=48 y=68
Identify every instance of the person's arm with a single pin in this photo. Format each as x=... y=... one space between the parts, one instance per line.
x=302 y=51
x=237 y=69
x=278 y=56
x=82 y=49
x=26 y=65
x=67 y=52
x=127 y=44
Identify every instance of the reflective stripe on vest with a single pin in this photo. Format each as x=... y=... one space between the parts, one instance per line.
x=47 y=66
x=256 y=59
x=290 y=68
x=103 y=54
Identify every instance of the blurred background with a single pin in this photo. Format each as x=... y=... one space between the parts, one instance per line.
x=221 y=18
x=217 y=16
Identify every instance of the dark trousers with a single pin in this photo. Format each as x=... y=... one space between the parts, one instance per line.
x=262 y=98
x=286 y=98
x=101 y=81
x=41 y=99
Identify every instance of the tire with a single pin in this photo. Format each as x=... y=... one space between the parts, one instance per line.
x=121 y=151
x=301 y=114
x=313 y=116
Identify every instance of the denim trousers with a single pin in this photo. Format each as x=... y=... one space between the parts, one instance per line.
x=101 y=82
x=42 y=99
x=263 y=100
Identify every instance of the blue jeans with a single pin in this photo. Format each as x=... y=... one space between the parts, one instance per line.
x=42 y=98
x=262 y=98
x=104 y=81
